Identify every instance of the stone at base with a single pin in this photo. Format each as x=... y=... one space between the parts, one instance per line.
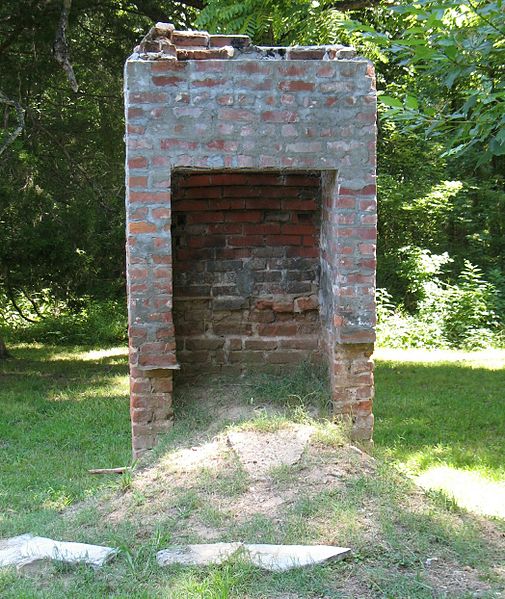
x=25 y=550
x=197 y=555
x=258 y=452
x=275 y=558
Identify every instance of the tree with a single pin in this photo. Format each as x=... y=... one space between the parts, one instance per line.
x=61 y=145
x=454 y=89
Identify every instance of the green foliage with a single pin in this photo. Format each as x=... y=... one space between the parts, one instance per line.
x=453 y=87
x=462 y=314
x=104 y=322
x=465 y=309
x=62 y=185
x=272 y=22
x=441 y=147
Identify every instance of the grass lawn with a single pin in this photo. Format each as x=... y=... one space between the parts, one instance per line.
x=440 y=419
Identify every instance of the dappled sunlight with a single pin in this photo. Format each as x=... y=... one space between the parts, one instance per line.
x=189 y=459
x=94 y=355
x=100 y=354
x=492 y=359
x=441 y=409
x=112 y=386
x=470 y=490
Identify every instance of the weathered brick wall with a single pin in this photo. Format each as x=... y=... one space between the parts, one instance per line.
x=246 y=269
x=217 y=103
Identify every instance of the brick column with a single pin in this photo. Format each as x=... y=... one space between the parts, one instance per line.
x=348 y=255
x=149 y=275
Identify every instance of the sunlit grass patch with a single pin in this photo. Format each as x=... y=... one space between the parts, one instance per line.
x=441 y=409
x=470 y=490
x=492 y=359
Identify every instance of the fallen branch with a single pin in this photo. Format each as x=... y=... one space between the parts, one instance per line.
x=107 y=470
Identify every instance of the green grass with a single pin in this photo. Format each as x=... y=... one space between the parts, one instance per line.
x=449 y=411
x=65 y=410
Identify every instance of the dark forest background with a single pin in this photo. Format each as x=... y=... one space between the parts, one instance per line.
x=441 y=76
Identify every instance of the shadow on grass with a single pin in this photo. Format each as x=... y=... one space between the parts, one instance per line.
x=435 y=413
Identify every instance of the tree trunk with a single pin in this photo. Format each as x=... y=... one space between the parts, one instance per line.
x=4 y=354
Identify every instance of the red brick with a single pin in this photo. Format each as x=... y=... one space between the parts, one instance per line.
x=306 y=343
x=298 y=229
x=296 y=86
x=134 y=113
x=167 y=80
x=304 y=304
x=252 y=67
x=135 y=129
x=161 y=212
x=167 y=144
x=208 y=82
x=157 y=360
x=282 y=306
x=162 y=259
x=227 y=204
x=137 y=162
x=345 y=202
x=246 y=241
x=283 y=240
x=200 y=193
x=139 y=144
x=279 y=116
x=137 y=273
x=268 y=203
x=367 y=190
x=264 y=304
x=223 y=144
x=149 y=196
x=162 y=385
x=235 y=114
x=147 y=98
x=141 y=227
x=190 y=38
x=137 y=181
x=262 y=229
x=299 y=204
x=251 y=216
x=164 y=66
x=205 y=217
x=277 y=330
x=190 y=205
x=326 y=70
x=292 y=70
x=140 y=386
x=260 y=344
x=139 y=213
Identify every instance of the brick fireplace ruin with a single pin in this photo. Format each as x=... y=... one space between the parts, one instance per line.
x=251 y=217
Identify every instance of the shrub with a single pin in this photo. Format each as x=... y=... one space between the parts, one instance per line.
x=96 y=322
x=463 y=314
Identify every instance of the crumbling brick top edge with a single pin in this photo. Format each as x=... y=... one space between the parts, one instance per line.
x=164 y=42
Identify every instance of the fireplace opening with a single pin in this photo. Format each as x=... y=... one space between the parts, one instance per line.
x=246 y=269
